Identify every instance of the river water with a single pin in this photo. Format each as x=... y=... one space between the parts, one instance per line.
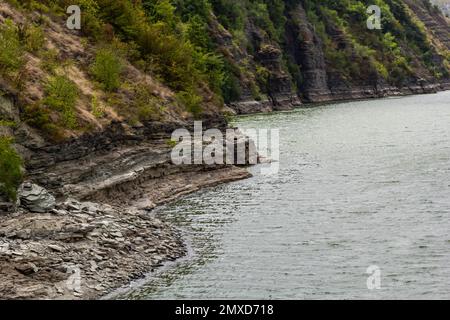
x=360 y=184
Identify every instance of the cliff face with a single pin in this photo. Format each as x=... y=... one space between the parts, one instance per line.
x=325 y=52
x=306 y=49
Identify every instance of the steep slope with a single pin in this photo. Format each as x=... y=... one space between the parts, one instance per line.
x=329 y=54
x=434 y=22
x=78 y=138
x=150 y=66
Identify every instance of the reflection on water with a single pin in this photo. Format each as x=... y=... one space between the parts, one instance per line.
x=360 y=184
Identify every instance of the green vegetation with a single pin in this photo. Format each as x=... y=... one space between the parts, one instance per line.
x=171 y=143
x=191 y=101
x=10 y=169
x=96 y=109
x=145 y=105
x=33 y=37
x=11 y=50
x=50 y=60
x=7 y=123
x=387 y=53
x=61 y=94
x=185 y=45
x=38 y=116
x=107 y=68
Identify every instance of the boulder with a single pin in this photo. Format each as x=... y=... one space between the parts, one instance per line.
x=35 y=198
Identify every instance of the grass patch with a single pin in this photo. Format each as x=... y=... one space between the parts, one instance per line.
x=11 y=50
x=10 y=169
x=96 y=108
x=34 y=37
x=61 y=94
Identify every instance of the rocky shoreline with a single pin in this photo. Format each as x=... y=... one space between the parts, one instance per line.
x=80 y=251
x=100 y=234
x=337 y=94
x=85 y=226
x=85 y=250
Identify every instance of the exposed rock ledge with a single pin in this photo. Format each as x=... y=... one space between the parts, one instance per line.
x=108 y=246
x=282 y=103
x=107 y=236
x=336 y=94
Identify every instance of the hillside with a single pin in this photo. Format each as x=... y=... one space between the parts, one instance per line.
x=159 y=64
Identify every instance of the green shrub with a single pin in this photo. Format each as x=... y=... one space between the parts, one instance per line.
x=171 y=143
x=107 y=69
x=231 y=90
x=92 y=26
x=38 y=116
x=49 y=60
x=11 y=50
x=96 y=109
x=146 y=105
x=61 y=94
x=10 y=169
x=34 y=38
x=262 y=78
x=191 y=101
x=8 y=123
x=231 y=13
x=212 y=67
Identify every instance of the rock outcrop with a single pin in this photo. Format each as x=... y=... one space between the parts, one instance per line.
x=80 y=250
x=35 y=198
x=306 y=48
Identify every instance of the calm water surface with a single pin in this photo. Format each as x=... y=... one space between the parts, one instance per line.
x=360 y=184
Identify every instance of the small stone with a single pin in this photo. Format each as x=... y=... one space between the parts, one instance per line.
x=117 y=234
x=59 y=212
x=27 y=268
x=57 y=248
x=89 y=207
x=99 y=288
x=94 y=266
